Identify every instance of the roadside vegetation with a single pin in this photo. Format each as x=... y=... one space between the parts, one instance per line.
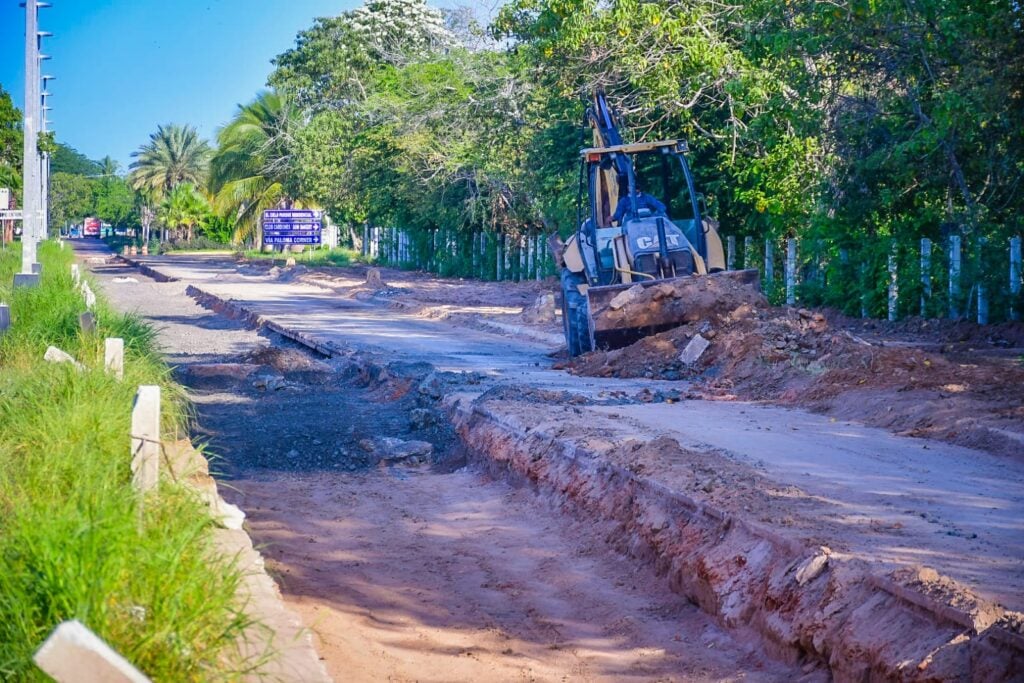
x=857 y=128
x=72 y=543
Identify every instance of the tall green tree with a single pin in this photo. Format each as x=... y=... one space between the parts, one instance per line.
x=172 y=156
x=253 y=169
x=71 y=198
x=11 y=142
x=184 y=208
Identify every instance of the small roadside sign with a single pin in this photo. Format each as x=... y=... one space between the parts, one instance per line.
x=291 y=226
x=11 y=215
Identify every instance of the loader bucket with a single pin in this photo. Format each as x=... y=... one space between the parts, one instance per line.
x=623 y=314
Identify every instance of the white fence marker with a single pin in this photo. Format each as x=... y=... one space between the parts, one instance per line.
x=769 y=262
x=894 y=285
x=982 y=290
x=113 y=356
x=1015 y=277
x=74 y=654
x=146 y=438
x=730 y=260
x=790 y=271
x=5 y=318
x=954 y=276
x=76 y=273
x=748 y=252
x=926 y=275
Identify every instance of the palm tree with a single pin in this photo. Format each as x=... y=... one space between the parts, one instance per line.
x=174 y=155
x=250 y=171
x=184 y=207
x=108 y=167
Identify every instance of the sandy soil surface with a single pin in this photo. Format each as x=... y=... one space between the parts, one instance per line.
x=900 y=500
x=419 y=572
x=949 y=381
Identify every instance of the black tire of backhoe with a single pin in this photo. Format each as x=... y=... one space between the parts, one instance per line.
x=575 y=315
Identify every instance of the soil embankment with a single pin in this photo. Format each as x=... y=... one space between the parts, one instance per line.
x=954 y=382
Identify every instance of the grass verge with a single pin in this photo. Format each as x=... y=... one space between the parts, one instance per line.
x=71 y=541
x=312 y=257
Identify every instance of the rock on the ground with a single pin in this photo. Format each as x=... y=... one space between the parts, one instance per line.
x=55 y=355
x=391 y=450
x=269 y=382
x=421 y=418
x=542 y=310
x=628 y=296
x=813 y=566
x=694 y=350
x=373 y=277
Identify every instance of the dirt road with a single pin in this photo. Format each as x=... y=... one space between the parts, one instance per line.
x=891 y=497
x=418 y=573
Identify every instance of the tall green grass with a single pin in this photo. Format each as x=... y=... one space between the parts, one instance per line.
x=313 y=257
x=71 y=541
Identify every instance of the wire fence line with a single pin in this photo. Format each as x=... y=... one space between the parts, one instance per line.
x=958 y=277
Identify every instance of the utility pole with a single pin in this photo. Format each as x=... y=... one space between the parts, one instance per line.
x=45 y=164
x=33 y=206
x=31 y=188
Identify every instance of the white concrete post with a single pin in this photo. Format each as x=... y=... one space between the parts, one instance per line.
x=522 y=259
x=146 y=438
x=864 y=290
x=474 y=260
x=5 y=318
x=113 y=356
x=769 y=262
x=502 y=257
x=748 y=252
x=539 y=242
x=1015 y=276
x=74 y=654
x=982 y=291
x=484 y=244
x=954 y=276
x=790 y=271
x=76 y=273
x=894 y=287
x=730 y=261
x=90 y=298
x=531 y=248
x=366 y=240
x=926 y=275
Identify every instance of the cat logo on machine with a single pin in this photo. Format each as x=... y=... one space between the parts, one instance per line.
x=650 y=242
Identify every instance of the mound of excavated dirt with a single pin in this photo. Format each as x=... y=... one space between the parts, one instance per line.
x=758 y=352
x=684 y=299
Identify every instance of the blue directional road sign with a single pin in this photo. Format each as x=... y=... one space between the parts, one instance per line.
x=291 y=226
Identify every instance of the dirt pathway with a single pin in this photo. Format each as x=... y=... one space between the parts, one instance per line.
x=419 y=573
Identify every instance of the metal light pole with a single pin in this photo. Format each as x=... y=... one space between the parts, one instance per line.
x=44 y=162
x=31 y=204
x=44 y=170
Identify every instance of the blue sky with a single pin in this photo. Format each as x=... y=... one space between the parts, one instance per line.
x=125 y=66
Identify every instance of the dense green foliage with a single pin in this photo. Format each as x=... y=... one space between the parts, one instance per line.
x=72 y=542
x=173 y=155
x=11 y=142
x=846 y=124
x=66 y=159
x=95 y=189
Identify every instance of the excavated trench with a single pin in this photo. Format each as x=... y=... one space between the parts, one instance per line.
x=409 y=564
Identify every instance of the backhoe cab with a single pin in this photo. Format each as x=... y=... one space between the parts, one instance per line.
x=641 y=221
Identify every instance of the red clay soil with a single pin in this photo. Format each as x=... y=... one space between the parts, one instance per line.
x=942 y=379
